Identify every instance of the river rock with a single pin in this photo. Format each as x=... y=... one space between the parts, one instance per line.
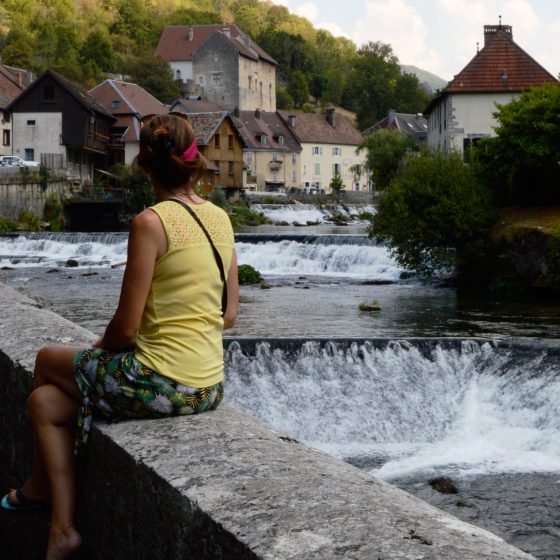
x=444 y=485
x=72 y=263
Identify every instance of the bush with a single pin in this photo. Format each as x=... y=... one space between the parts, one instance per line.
x=218 y=197
x=52 y=212
x=248 y=275
x=436 y=215
x=7 y=225
x=138 y=190
x=243 y=216
x=29 y=220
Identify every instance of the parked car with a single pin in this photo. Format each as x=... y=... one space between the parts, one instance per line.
x=16 y=161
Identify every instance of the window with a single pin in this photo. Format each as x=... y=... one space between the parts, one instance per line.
x=31 y=122
x=317 y=150
x=336 y=151
x=336 y=168
x=29 y=154
x=5 y=138
x=217 y=141
x=274 y=175
x=230 y=167
x=305 y=169
x=249 y=157
x=230 y=141
x=48 y=93
x=250 y=82
x=217 y=164
x=294 y=158
x=281 y=140
x=317 y=170
x=178 y=74
x=216 y=78
x=201 y=80
x=263 y=139
x=294 y=176
x=115 y=104
x=274 y=156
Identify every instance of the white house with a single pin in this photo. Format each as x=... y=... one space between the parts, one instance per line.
x=462 y=112
x=328 y=141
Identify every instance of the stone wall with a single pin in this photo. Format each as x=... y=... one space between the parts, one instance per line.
x=16 y=196
x=220 y=485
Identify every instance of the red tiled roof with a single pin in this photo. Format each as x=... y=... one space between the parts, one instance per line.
x=314 y=127
x=205 y=125
x=174 y=44
x=12 y=82
x=501 y=66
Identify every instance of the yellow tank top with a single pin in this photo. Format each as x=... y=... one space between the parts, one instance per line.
x=180 y=334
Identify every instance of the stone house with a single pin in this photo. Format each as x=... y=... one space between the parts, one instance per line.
x=128 y=103
x=272 y=154
x=462 y=112
x=12 y=82
x=57 y=122
x=329 y=141
x=414 y=125
x=222 y=64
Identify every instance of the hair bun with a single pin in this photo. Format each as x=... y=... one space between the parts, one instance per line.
x=163 y=144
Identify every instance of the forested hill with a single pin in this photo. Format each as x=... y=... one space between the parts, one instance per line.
x=85 y=39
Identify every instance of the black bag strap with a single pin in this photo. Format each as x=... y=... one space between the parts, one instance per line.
x=214 y=250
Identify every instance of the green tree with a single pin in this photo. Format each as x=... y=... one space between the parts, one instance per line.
x=155 y=75
x=336 y=184
x=385 y=151
x=298 y=88
x=98 y=48
x=436 y=215
x=521 y=164
x=318 y=86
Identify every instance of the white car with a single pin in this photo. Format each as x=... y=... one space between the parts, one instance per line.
x=16 y=161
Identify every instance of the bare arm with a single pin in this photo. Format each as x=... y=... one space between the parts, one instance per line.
x=232 y=294
x=146 y=243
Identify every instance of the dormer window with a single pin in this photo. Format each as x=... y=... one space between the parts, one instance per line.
x=281 y=140
x=262 y=137
x=115 y=104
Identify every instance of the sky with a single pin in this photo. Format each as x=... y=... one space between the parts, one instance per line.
x=439 y=35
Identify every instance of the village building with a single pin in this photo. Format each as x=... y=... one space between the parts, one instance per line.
x=271 y=152
x=220 y=63
x=413 y=125
x=128 y=103
x=220 y=143
x=329 y=141
x=58 y=123
x=462 y=112
x=12 y=82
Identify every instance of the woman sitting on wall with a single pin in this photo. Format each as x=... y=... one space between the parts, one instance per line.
x=161 y=353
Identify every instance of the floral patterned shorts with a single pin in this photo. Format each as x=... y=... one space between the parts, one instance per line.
x=117 y=385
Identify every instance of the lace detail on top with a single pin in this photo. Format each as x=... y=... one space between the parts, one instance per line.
x=183 y=231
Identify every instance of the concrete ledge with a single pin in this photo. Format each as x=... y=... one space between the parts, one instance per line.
x=221 y=485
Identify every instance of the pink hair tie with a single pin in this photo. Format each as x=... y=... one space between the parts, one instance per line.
x=190 y=153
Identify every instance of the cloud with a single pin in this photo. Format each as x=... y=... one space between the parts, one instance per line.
x=308 y=10
x=282 y=3
x=398 y=23
x=334 y=28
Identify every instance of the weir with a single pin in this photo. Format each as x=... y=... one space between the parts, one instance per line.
x=221 y=485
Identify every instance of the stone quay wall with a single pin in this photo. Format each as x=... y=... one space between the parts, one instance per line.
x=220 y=485
x=16 y=196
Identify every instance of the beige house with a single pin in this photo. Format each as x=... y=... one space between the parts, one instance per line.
x=272 y=155
x=220 y=63
x=329 y=142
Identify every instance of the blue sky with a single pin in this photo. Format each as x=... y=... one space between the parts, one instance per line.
x=439 y=35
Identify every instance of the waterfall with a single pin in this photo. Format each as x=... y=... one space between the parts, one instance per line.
x=303 y=213
x=475 y=408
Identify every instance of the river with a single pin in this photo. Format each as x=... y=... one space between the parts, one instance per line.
x=484 y=413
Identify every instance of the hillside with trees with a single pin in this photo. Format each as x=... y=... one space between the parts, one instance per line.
x=84 y=40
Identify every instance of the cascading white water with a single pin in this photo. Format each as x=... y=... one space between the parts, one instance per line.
x=55 y=249
x=477 y=410
x=291 y=257
x=303 y=213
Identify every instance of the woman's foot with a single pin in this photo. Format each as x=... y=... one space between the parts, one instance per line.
x=63 y=543
x=17 y=500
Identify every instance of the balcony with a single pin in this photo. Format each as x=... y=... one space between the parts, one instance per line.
x=275 y=165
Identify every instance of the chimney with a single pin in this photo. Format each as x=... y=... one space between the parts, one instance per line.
x=491 y=30
x=331 y=117
x=292 y=121
x=191 y=33
x=391 y=116
x=257 y=113
x=236 y=112
x=226 y=31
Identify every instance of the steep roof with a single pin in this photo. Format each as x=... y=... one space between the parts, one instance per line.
x=12 y=82
x=253 y=124
x=123 y=97
x=413 y=124
x=195 y=106
x=501 y=66
x=79 y=93
x=180 y=42
x=205 y=125
x=314 y=127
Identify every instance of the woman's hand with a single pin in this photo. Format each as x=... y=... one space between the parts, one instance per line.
x=232 y=294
